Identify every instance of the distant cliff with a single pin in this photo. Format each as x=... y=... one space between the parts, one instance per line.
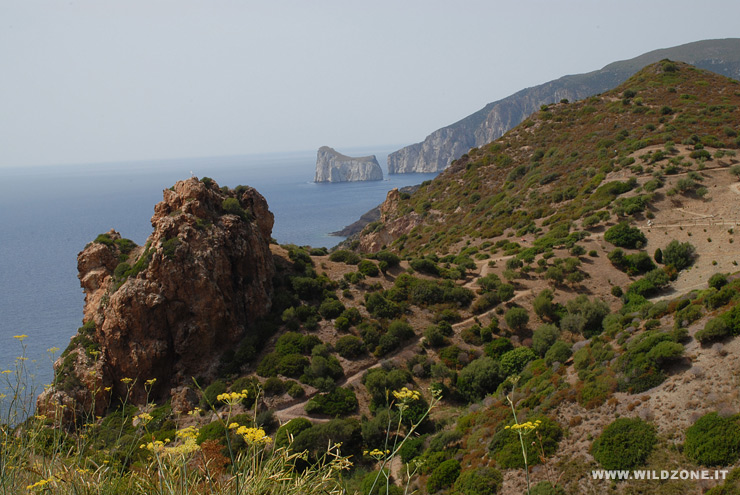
x=491 y=122
x=165 y=312
x=332 y=166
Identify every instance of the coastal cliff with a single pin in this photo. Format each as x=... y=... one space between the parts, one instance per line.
x=156 y=316
x=444 y=145
x=332 y=166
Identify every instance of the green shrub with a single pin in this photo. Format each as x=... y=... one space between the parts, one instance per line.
x=345 y=256
x=544 y=337
x=517 y=318
x=292 y=365
x=713 y=440
x=717 y=281
x=479 y=378
x=211 y=393
x=498 y=347
x=331 y=308
x=294 y=427
x=350 y=347
x=368 y=268
x=622 y=235
x=679 y=254
x=624 y=444
x=212 y=431
x=481 y=481
x=339 y=402
x=443 y=475
x=514 y=361
x=559 y=352
x=715 y=329
x=547 y=488
x=506 y=448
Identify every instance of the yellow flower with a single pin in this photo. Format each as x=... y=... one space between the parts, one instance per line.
x=143 y=418
x=406 y=395
x=377 y=453
x=186 y=433
x=107 y=389
x=38 y=484
x=232 y=398
x=52 y=350
x=524 y=427
x=150 y=382
x=22 y=338
x=126 y=380
x=5 y=372
x=253 y=435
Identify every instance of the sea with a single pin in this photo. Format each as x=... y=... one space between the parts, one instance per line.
x=49 y=213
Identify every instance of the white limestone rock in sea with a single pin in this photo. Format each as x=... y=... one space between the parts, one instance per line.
x=332 y=166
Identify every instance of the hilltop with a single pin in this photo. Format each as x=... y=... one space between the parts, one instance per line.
x=444 y=145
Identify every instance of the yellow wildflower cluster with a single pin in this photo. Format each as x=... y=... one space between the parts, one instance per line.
x=126 y=380
x=187 y=445
x=21 y=338
x=405 y=395
x=156 y=446
x=524 y=427
x=39 y=484
x=142 y=418
x=252 y=435
x=377 y=453
x=232 y=398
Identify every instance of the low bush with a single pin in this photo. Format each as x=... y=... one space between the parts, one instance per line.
x=624 y=444
x=339 y=402
x=715 y=329
x=481 y=481
x=622 y=235
x=443 y=475
x=350 y=347
x=713 y=440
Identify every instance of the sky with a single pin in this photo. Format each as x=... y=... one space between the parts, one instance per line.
x=96 y=81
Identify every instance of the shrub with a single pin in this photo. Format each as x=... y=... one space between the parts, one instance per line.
x=294 y=427
x=559 y=352
x=547 y=488
x=715 y=329
x=292 y=365
x=679 y=254
x=338 y=402
x=443 y=475
x=717 y=281
x=331 y=308
x=622 y=235
x=713 y=440
x=350 y=346
x=544 y=337
x=481 y=481
x=517 y=318
x=380 y=307
x=514 y=361
x=345 y=256
x=506 y=448
x=498 y=347
x=624 y=444
x=368 y=268
x=211 y=393
x=482 y=376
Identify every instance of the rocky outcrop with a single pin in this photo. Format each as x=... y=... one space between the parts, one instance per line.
x=156 y=316
x=368 y=217
x=443 y=146
x=332 y=166
x=391 y=226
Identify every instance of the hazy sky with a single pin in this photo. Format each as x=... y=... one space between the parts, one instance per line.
x=111 y=80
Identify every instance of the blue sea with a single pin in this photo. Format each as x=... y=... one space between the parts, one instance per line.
x=49 y=213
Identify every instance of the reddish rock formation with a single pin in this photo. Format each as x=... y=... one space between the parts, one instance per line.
x=177 y=304
x=393 y=225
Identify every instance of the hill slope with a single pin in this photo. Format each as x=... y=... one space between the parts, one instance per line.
x=444 y=145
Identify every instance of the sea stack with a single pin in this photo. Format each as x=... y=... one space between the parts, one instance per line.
x=332 y=166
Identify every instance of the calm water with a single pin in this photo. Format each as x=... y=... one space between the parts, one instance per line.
x=48 y=214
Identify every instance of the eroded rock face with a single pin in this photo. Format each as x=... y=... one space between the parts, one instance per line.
x=393 y=225
x=204 y=275
x=332 y=166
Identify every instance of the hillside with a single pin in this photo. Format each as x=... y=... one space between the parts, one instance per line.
x=444 y=145
x=570 y=281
